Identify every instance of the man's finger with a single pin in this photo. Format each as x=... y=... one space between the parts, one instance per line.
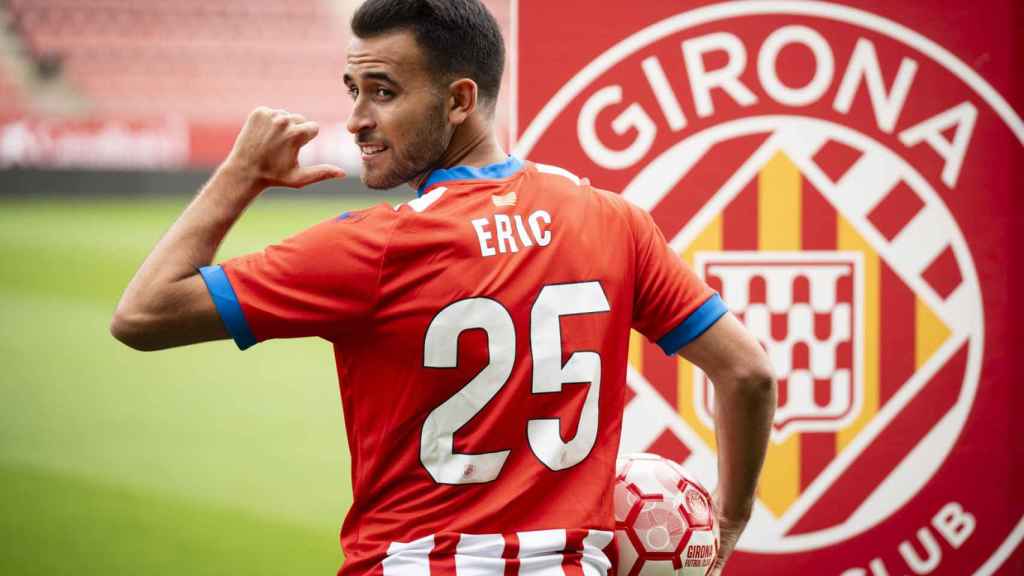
x=305 y=131
x=312 y=174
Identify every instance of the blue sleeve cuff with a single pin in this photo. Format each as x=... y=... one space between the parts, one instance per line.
x=226 y=301
x=695 y=324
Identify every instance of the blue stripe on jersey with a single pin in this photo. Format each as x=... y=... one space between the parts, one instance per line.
x=695 y=324
x=494 y=171
x=226 y=301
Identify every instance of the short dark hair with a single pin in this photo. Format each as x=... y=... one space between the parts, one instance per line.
x=459 y=37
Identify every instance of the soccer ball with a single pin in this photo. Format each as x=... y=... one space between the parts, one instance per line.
x=664 y=520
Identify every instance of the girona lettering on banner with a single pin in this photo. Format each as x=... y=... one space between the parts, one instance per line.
x=862 y=68
x=845 y=180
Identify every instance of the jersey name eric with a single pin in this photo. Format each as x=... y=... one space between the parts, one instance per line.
x=531 y=231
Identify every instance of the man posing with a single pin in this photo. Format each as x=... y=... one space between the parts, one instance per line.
x=480 y=330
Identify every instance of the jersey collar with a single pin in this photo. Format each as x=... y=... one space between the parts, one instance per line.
x=495 y=171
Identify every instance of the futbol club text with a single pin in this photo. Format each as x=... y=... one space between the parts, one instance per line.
x=954 y=524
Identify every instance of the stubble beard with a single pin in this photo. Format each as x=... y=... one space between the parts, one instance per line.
x=422 y=154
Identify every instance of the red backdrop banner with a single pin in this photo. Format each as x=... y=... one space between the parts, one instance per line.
x=845 y=175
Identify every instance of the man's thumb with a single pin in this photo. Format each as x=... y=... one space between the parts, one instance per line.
x=313 y=174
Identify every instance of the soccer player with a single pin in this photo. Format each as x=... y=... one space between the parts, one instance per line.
x=480 y=329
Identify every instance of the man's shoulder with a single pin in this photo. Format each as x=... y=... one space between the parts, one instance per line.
x=376 y=214
x=557 y=178
x=351 y=230
x=556 y=175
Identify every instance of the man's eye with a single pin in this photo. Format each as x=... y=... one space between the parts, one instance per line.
x=384 y=93
x=353 y=92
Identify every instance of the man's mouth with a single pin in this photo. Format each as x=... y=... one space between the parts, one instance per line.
x=369 y=150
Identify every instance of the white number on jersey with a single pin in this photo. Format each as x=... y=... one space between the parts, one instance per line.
x=437 y=452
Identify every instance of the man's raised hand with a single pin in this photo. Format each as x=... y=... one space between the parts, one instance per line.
x=267 y=150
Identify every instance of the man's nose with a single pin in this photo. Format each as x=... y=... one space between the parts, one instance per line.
x=360 y=119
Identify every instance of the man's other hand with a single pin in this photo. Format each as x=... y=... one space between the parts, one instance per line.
x=729 y=531
x=267 y=150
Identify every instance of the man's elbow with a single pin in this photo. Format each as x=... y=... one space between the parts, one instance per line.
x=760 y=382
x=133 y=329
x=753 y=380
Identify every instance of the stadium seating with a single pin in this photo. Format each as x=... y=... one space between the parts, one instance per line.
x=205 y=62
x=11 y=99
x=191 y=58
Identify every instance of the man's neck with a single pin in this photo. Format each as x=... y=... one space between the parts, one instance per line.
x=474 y=143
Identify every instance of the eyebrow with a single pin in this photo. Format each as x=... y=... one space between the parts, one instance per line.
x=381 y=76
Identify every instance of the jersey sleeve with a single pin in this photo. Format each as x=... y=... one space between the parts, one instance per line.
x=320 y=282
x=672 y=306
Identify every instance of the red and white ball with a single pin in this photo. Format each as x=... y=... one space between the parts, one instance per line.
x=664 y=519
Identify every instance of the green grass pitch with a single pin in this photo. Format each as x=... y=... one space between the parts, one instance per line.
x=201 y=460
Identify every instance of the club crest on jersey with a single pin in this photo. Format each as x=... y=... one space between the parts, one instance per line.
x=503 y=200
x=801 y=157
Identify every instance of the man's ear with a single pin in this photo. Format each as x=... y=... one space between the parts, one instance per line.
x=462 y=100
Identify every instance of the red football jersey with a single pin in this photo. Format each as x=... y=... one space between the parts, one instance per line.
x=481 y=335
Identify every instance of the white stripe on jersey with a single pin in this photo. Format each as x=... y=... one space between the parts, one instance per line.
x=423 y=202
x=480 y=555
x=409 y=557
x=547 y=169
x=595 y=562
x=541 y=553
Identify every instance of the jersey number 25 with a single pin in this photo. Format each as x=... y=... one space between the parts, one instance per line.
x=437 y=452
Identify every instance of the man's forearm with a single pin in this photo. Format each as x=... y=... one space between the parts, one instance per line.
x=744 y=409
x=191 y=242
x=194 y=238
x=166 y=304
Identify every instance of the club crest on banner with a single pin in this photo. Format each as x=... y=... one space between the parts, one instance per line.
x=804 y=309
x=796 y=157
